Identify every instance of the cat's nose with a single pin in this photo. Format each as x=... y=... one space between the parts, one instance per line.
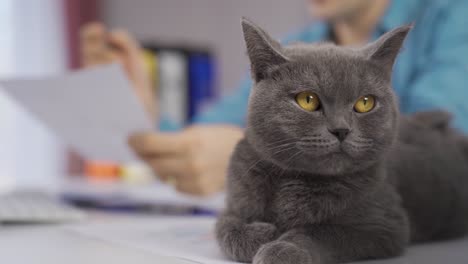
x=340 y=133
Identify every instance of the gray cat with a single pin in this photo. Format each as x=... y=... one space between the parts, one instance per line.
x=328 y=171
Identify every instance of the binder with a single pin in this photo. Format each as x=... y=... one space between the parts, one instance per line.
x=201 y=81
x=194 y=69
x=173 y=86
x=151 y=66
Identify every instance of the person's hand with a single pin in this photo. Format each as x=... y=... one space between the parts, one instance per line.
x=99 y=46
x=196 y=159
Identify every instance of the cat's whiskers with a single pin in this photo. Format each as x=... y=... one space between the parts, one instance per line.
x=288 y=164
x=360 y=146
x=320 y=145
x=284 y=149
x=284 y=140
x=291 y=140
x=287 y=144
x=280 y=145
x=361 y=139
x=252 y=166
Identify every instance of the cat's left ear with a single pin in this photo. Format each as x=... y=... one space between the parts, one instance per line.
x=264 y=52
x=385 y=49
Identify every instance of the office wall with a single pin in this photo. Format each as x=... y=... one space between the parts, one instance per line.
x=215 y=22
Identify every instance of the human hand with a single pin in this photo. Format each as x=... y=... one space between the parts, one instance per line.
x=196 y=158
x=99 y=46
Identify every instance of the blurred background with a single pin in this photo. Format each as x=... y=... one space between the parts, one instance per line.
x=41 y=38
x=181 y=56
x=185 y=55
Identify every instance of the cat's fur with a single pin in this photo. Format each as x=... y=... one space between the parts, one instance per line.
x=296 y=194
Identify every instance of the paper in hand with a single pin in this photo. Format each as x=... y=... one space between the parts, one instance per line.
x=93 y=110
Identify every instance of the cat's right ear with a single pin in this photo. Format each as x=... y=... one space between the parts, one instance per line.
x=385 y=49
x=264 y=52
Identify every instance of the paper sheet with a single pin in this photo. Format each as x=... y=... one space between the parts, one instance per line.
x=185 y=238
x=93 y=110
x=156 y=194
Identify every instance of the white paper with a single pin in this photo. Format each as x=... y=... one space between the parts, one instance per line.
x=186 y=238
x=93 y=110
x=155 y=194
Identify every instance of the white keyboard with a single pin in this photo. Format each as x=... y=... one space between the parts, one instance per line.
x=32 y=207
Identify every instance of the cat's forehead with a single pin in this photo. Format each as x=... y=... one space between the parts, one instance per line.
x=325 y=62
x=329 y=69
x=322 y=49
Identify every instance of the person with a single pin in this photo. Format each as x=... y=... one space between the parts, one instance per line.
x=431 y=72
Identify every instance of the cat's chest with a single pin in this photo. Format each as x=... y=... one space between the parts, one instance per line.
x=299 y=202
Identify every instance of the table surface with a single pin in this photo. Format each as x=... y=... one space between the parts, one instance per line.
x=54 y=244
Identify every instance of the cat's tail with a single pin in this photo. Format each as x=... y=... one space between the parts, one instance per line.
x=438 y=120
x=463 y=143
x=441 y=121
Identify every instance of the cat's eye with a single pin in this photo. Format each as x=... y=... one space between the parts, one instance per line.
x=308 y=101
x=364 y=104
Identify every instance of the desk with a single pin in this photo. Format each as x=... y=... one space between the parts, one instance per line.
x=54 y=245
x=60 y=244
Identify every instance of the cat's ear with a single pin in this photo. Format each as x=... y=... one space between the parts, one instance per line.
x=385 y=49
x=264 y=52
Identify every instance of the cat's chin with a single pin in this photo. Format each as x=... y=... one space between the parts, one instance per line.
x=333 y=163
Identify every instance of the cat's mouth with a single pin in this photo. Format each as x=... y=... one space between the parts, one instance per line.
x=349 y=148
x=320 y=148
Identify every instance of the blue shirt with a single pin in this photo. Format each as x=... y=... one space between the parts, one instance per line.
x=430 y=73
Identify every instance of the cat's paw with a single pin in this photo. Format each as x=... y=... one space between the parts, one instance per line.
x=282 y=252
x=240 y=241
x=266 y=230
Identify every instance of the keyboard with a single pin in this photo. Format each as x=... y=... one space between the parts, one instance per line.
x=35 y=208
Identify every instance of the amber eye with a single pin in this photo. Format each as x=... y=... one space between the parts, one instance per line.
x=364 y=104
x=308 y=101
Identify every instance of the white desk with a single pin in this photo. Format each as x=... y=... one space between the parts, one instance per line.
x=59 y=245
x=52 y=245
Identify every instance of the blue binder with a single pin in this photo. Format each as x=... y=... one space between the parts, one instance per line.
x=201 y=81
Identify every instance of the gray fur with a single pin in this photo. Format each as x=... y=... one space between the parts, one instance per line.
x=296 y=194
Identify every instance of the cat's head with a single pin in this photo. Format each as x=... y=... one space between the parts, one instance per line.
x=322 y=108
